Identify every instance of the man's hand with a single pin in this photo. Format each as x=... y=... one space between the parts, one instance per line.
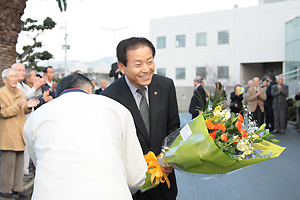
x=21 y=103
x=38 y=82
x=32 y=103
x=257 y=93
x=46 y=96
x=54 y=85
x=279 y=87
x=168 y=170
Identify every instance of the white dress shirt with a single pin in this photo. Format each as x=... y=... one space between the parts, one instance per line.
x=84 y=147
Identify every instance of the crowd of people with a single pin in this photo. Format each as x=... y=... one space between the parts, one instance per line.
x=48 y=129
x=265 y=101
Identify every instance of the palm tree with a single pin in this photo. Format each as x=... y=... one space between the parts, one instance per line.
x=11 y=12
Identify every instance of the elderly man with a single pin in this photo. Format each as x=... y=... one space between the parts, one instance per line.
x=280 y=93
x=30 y=92
x=76 y=160
x=256 y=97
x=12 y=118
x=103 y=86
x=198 y=101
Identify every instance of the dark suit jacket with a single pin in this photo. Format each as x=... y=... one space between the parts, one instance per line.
x=164 y=118
x=280 y=97
x=198 y=101
x=46 y=87
x=98 y=91
x=269 y=100
x=113 y=72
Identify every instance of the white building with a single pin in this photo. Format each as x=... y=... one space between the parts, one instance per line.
x=230 y=46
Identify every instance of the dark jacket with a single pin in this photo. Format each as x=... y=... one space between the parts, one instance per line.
x=198 y=101
x=164 y=118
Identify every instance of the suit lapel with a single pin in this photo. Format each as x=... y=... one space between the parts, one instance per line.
x=154 y=94
x=128 y=101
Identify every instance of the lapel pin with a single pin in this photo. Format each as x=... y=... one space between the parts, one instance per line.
x=155 y=93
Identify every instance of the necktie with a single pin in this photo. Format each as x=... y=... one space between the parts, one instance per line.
x=144 y=109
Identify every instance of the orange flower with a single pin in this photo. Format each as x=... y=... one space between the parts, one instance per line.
x=222 y=127
x=210 y=125
x=240 y=118
x=216 y=127
x=224 y=137
x=213 y=135
x=238 y=125
x=244 y=133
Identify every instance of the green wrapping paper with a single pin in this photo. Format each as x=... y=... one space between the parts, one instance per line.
x=199 y=154
x=192 y=149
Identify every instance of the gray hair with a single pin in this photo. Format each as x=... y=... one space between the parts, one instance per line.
x=198 y=79
x=27 y=73
x=5 y=72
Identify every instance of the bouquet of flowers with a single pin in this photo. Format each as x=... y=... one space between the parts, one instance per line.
x=215 y=142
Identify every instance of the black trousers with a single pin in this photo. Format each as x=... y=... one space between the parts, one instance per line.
x=258 y=116
x=269 y=117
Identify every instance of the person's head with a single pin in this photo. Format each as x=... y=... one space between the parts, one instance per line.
x=136 y=60
x=250 y=83
x=103 y=84
x=279 y=80
x=271 y=77
x=9 y=77
x=49 y=73
x=237 y=85
x=265 y=82
x=256 y=81
x=30 y=76
x=197 y=81
x=94 y=82
x=74 y=81
x=78 y=71
x=20 y=69
x=219 y=86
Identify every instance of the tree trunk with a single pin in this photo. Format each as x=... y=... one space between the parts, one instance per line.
x=11 y=12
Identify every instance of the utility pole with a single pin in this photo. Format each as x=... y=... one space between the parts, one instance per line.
x=66 y=47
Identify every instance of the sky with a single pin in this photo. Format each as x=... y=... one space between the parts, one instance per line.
x=90 y=24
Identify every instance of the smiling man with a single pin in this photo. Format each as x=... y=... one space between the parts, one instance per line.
x=152 y=102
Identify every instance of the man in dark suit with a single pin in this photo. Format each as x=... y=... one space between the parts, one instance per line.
x=136 y=61
x=115 y=71
x=50 y=84
x=280 y=93
x=198 y=101
x=269 y=103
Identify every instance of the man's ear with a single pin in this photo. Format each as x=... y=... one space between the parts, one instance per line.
x=90 y=90
x=121 y=67
x=4 y=80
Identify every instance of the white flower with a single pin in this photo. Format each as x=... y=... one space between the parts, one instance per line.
x=242 y=145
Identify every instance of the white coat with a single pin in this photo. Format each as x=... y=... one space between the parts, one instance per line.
x=84 y=147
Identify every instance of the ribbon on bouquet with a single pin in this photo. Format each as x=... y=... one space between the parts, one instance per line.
x=155 y=169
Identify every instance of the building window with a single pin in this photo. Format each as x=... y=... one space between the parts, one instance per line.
x=161 y=42
x=201 y=39
x=180 y=40
x=180 y=73
x=201 y=71
x=223 y=37
x=223 y=72
x=161 y=71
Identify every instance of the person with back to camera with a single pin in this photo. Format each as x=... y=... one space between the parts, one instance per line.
x=76 y=160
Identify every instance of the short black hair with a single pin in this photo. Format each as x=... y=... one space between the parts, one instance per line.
x=272 y=76
x=46 y=69
x=75 y=80
x=132 y=44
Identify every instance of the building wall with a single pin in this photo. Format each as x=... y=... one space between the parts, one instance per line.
x=256 y=40
x=256 y=35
